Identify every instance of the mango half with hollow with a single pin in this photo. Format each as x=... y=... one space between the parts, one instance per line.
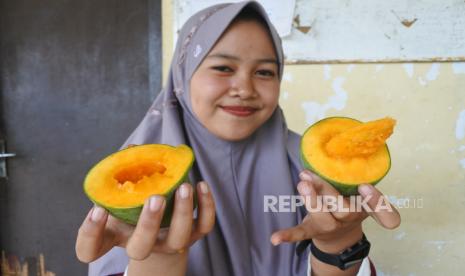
x=122 y=182
x=346 y=152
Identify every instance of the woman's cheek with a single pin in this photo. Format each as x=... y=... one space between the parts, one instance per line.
x=272 y=95
x=215 y=88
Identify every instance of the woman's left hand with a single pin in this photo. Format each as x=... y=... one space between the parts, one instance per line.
x=334 y=230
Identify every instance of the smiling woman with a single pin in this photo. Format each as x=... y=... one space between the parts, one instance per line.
x=235 y=89
x=221 y=99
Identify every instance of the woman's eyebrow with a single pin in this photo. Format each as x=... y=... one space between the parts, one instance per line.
x=228 y=56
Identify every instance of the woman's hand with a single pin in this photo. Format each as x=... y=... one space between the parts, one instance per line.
x=335 y=230
x=100 y=232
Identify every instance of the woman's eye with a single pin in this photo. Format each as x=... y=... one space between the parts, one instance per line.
x=224 y=69
x=266 y=73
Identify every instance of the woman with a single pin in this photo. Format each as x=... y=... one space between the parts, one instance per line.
x=222 y=99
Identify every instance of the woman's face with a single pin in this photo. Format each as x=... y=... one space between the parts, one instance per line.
x=236 y=87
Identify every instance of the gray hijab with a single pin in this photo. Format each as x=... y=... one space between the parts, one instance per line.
x=239 y=173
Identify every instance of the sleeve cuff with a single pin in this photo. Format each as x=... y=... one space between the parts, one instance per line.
x=365 y=267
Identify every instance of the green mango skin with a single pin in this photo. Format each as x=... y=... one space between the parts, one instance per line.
x=131 y=215
x=344 y=189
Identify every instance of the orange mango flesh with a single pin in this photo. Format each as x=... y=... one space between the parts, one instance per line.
x=362 y=140
x=128 y=177
x=348 y=151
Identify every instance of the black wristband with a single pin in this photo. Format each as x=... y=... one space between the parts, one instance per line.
x=347 y=258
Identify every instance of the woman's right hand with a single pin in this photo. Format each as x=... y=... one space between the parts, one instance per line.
x=100 y=231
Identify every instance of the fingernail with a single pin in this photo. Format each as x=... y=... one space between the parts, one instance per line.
x=184 y=191
x=276 y=241
x=306 y=176
x=304 y=189
x=365 y=189
x=203 y=188
x=155 y=203
x=97 y=213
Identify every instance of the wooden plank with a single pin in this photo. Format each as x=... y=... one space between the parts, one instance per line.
x=377 y=31
x=364 y=31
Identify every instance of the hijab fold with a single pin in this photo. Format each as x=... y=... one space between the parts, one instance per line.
x=240 y=174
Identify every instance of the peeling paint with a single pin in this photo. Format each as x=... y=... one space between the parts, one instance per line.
x=400 y=236
x=408 y=69
x=350 y=67
x=462 y=163
x=409 y=23
x=296 y=24
x=379 y=67
x=439 y=244
x=327 y=71
x=460 y=126
x=421 y=81
x=288 y=77
x=285 y=95
x=458 y=67
x=433 y=72
x=431 y=75
x=304 y=29
x=315 y=111
x=339 y=100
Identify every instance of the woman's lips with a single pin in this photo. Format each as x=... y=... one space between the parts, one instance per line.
x=241 y=111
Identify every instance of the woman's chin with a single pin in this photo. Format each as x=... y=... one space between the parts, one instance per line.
x=234 y=135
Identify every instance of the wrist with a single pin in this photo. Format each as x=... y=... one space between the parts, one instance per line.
x=339 y=258
x=160 y=264
x=342 y=242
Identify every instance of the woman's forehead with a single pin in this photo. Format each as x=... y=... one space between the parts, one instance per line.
x=245 y=40
x=232 y=57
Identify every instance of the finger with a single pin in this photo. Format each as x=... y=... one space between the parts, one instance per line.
x=143 y=239
x=181 y=223
x=90 y=240
x=307 y=175
x=320 y=221
x=321 y=185
x=293 y=234
x=379 y=207
x=206 y=218
x=341 y=210
x=121 y=230
x=311 y=199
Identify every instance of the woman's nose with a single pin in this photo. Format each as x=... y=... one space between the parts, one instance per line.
x=243 y=87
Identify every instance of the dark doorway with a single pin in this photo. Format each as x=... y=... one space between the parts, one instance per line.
x=76 y=78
